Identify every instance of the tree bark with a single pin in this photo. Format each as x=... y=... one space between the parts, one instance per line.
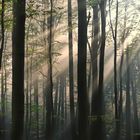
x=18 y=69
x=49 y=97
x=114 y=35
x=99 y=114
x=2 y=31
x=128 y=102
x=71 y=87
x=82 y=85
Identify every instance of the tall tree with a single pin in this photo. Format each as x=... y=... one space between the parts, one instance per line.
x=82 y=54
x=49 y=97
x=123 y=41
x=2 y=31
x=1 y=68
x=71 y=84
x=95 y=47
x=102 y=51
x=114 y=35
x=99 y=128
x=18 y=47
x=114 y=31
x=36 y=102
x=135 y=108
x=128 y=100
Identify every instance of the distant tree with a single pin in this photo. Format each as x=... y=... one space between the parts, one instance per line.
x=135 y=105
x=49 y=96
x=2 y=30
x=114 y=36
x=128 y=100
x=36 y=102
x=114 y=31
x=71 y=79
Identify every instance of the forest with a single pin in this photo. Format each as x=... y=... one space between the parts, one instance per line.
x=69 y=70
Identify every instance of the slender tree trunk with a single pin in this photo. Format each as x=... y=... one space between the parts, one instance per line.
x=18 y=69
x=62 y=101
x=121 y=63
x=114 y=35
x=102 y=50
x=71 y=87
x=44 y=102
x=5 y=74
x=2 y=31
x=49 y=97
x=135 y=107
x=128 y=102
x=56 y=101
x=27 y=83
x=95 y=47
x=36 y=105
x=2 y=117
x=121 y=80
x=59 y=105
x=44 y=29
x=82 y=85
x=30 y=92
x=1 y=67
x=65 y=99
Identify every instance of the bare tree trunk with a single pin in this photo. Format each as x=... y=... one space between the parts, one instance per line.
x=135 y=106
x=128 y=102
x=2 y=117
x=1 y=68
x=27 y=84
x=99 y=114
x=36 y=105
x=56 y=102
x=49 y=97
x=114 y=35
x=2 y=31
x=82 y=84
x=71 y=87
x=5 y=74
x=18 y=69
x=62 y=101
x=95 y=46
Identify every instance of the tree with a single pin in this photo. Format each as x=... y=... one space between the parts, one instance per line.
x=135 y=106
x=1 y=67
x=95 y=47
x=128 y=100
x=18 y=37
x=115 y=42
x=2 y=31
x=49 y=97
x=82 y=54
x=99 y=128
x=114 y=36
x=71 y=80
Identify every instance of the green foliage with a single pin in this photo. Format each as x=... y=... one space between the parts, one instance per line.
x=35 y=107
x=7 y=14
x=31 y=9
x=93 y=2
